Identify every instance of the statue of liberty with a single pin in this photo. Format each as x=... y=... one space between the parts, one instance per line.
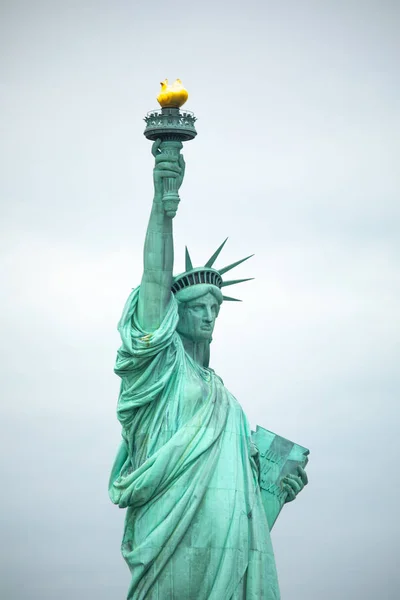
x=188 y=470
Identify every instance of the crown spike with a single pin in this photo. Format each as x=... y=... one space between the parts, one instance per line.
x=214 y=257
x=188 y=260
x=233 y=265
x=233 y=281
x=229 y=299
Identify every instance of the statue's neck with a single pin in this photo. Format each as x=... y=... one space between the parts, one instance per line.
x=198 y=351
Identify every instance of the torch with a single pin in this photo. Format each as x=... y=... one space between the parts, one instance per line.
x=172 y=127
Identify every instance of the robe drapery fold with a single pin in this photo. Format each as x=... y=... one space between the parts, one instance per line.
x=195 y=526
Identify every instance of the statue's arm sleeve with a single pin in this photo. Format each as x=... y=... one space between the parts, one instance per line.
x=145 y=360
x=139 y=345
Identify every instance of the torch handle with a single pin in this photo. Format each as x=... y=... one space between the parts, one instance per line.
x=170 y=196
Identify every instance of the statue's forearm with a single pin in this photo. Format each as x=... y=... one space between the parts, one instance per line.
x=158 y=254
x=158 y=261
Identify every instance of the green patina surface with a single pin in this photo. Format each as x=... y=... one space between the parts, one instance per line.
x=201 y=491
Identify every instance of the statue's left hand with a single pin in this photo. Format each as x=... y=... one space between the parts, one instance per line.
x=293 y=484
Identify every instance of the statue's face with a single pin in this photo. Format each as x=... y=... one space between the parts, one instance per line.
x=197 y=318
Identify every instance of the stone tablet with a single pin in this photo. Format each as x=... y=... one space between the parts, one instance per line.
x=278 y=457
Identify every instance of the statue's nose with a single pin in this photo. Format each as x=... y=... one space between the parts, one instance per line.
x=208 y=316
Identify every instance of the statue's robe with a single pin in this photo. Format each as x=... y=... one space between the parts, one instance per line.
x=195 y=525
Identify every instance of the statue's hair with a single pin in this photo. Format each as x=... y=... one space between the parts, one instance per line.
x=197 y=291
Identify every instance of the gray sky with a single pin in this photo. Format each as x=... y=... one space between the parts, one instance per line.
x=298 y=125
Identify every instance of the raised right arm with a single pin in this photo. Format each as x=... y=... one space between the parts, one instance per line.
x=155 y=288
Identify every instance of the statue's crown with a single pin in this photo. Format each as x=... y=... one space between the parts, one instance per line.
x=206 y=274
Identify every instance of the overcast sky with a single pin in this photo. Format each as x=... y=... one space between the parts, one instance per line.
x=298 y=130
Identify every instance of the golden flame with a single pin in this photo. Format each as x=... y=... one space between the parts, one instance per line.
x=172 y=96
